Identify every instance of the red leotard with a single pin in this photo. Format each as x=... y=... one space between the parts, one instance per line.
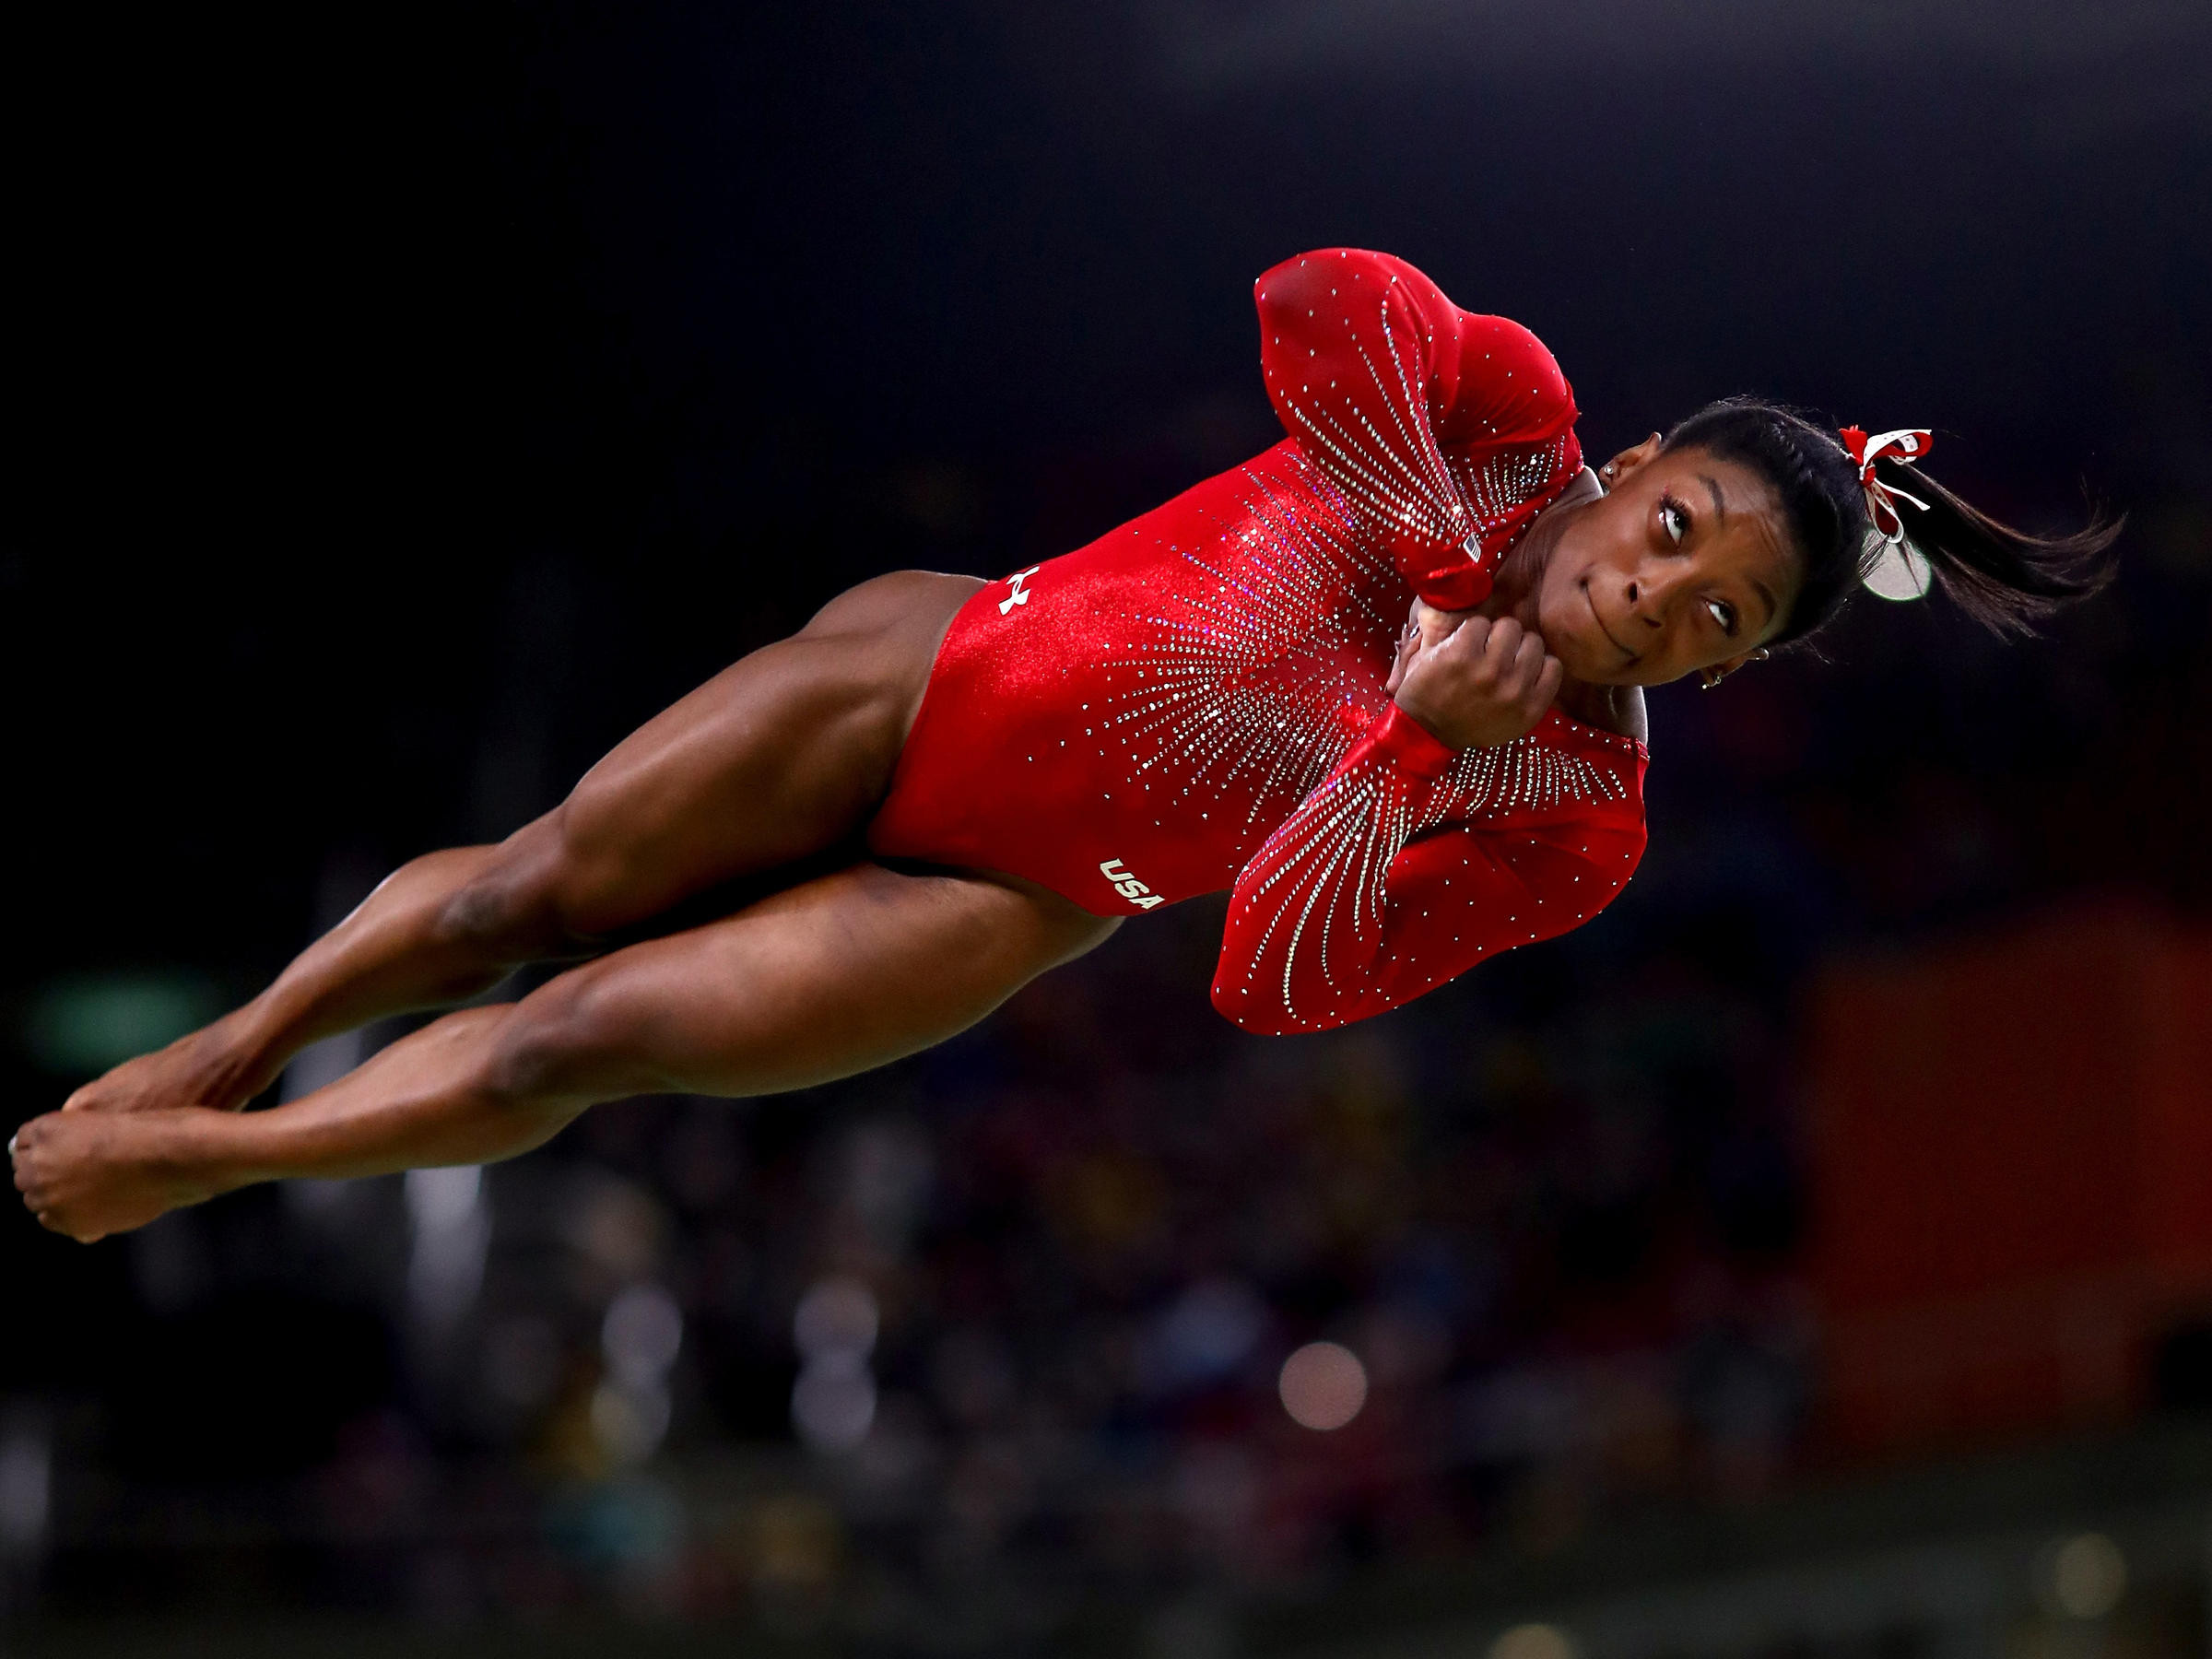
x=1195 y=700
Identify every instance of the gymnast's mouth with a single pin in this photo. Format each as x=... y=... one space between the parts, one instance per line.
x=1589 y=600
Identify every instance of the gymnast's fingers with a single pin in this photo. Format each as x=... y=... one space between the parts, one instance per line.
x=1467 y=642
x=1409 y=646
x=1544 y=690
x=1528 y=659
x=1433 y=626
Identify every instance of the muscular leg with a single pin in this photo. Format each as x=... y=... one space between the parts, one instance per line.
x=832 y=977
x=781 y=755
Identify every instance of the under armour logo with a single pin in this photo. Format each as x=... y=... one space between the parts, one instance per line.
x=1020 y=596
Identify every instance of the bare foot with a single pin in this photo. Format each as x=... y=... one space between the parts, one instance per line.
x=91 y=1173
x=214 y=1067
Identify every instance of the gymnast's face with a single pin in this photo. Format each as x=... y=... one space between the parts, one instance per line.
x=1687 y=564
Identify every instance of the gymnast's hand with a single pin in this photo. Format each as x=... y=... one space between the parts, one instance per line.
x=1472 y=682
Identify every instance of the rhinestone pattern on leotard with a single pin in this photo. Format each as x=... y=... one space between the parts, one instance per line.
x=1373 y=436
x=1326 y=869
x=1241 y=684
x=1498 y=486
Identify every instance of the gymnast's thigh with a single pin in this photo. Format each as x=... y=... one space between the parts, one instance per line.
x=835 y=975
x=777 y=759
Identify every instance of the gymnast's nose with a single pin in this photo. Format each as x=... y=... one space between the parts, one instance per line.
x=1649 y=601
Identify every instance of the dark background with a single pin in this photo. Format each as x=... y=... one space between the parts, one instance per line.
x=410 y=402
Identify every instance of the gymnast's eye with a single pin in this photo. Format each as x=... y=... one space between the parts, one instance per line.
x=1674 y=519
x=1723 y=613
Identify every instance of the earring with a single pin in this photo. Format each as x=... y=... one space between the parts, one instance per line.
x=1608 y=469
x=1711 y=678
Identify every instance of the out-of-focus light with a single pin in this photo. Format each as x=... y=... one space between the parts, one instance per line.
x=615 y=1225
x=642 y=1335
x=1322 y=1385
x=833 y=1402
x=440 y=1199
x=452 y=1231
x=837 y=1316
x=888 y=1173
x=26 y=1488
x=794 y=1545
x=84 y=1026
x=1205 y=1332
x=628 y=1423
x=1533 y=1641
x=633 y=1522
x=322 y=1064
x=2086 y=1576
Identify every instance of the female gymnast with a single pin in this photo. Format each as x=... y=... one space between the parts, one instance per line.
x=941 y=787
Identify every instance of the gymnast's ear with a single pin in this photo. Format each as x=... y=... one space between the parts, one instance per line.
x=1628 y=460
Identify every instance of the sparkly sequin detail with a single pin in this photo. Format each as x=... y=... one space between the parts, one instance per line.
x=1327 y=868
x=1383 y=448
x=1243 y=674
x=1526 y=775
x=1498 y=485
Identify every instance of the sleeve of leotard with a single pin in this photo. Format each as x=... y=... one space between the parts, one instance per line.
x=1376 y=374
x=1359 y=902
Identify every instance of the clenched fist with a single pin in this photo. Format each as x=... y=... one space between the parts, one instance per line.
x=1473 y=683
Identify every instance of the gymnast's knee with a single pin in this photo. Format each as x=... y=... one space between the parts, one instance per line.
x=570 y=1041
x=518 y=907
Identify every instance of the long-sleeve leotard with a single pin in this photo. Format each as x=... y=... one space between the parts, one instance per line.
x=1195 y=700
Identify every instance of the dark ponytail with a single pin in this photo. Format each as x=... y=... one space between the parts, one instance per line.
x=2007 y=580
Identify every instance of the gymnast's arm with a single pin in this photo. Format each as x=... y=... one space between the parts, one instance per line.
x=1378 y=376
x=1336 y=920
x=1383 y=884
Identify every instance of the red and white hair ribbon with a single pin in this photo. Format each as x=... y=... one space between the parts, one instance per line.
x=1905 y=444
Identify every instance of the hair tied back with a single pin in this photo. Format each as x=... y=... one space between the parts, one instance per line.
x=1897 y=568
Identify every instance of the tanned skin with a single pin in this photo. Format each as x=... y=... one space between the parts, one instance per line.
x=774 y=765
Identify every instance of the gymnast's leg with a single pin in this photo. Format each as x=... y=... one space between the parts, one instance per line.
x=830 y=977
x=781 y=755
